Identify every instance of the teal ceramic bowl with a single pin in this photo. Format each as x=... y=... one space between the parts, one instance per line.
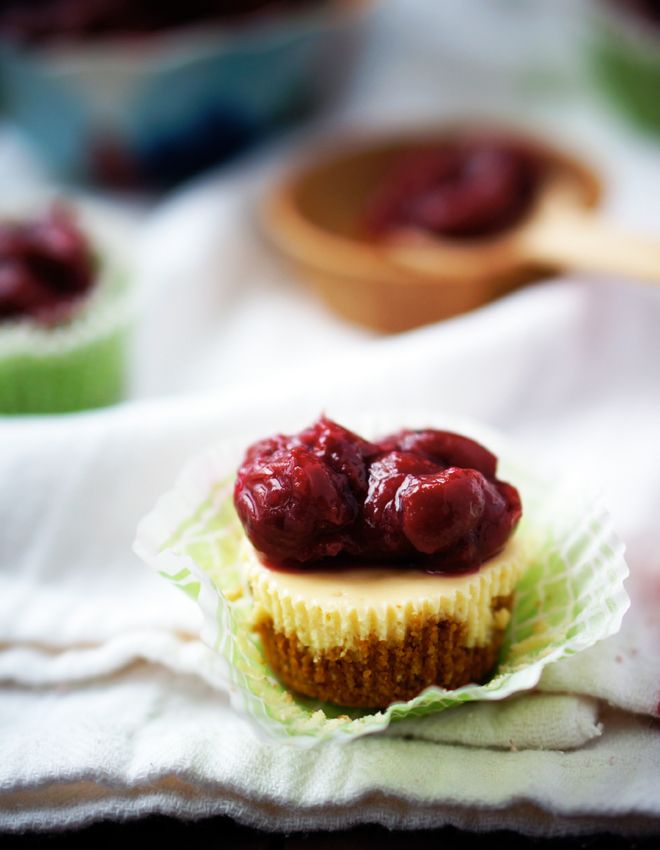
x=625 y=56
x=154 y=110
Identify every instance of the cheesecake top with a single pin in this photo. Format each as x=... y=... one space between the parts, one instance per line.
x=330 y=607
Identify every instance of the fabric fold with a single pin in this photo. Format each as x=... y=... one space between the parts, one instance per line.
x=150 y=741
x=32 y=666
x=526 y=722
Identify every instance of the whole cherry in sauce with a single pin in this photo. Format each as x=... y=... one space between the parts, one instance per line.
x=468 y=187
x=427 y=499
x=46 y=266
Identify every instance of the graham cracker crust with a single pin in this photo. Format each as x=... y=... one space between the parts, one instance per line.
x=375 y=672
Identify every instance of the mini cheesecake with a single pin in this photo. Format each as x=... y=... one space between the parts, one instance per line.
x=367 y=636
x=65 y=314
x=378 y=567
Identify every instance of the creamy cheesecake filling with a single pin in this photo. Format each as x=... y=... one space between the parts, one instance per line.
x=328 y=609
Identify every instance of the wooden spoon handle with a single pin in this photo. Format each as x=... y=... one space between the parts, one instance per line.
x=579 y=240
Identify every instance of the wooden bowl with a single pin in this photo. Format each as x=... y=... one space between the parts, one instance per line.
x=314 y=217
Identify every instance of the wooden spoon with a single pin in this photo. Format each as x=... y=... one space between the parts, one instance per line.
x=560 y=233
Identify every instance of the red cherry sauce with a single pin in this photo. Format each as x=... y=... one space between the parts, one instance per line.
x=326 y=498
x=472 y=186
x=46 y=267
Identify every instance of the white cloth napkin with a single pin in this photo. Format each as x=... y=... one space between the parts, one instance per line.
x=112 y=706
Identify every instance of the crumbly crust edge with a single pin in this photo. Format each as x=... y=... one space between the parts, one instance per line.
x=373 y=673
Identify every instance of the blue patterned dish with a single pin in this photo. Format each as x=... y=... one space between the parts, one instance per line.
x=155 y=110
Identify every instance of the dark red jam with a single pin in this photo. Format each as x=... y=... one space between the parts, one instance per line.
x=470 y=187
x=426 y=499
x=647 y=10
x=46 y=266
x=78 y=20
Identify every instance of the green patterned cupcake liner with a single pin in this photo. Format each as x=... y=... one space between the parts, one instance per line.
x=571 y=596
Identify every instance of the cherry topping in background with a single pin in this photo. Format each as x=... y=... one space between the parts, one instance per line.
x=466 y=188
x=415 y=498
x=46 y=266
x=78 y=20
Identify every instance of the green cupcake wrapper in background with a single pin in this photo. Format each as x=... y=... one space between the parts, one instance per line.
x=571 y=596
x=75 y=366
x=625 y=57
x=92 y=375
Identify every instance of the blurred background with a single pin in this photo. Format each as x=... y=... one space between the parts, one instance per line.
x=181 y=123
x=426 y=208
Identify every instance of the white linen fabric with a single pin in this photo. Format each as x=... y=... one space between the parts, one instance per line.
x=111 y=705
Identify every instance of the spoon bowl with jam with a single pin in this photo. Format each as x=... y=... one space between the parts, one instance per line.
x=405 y=231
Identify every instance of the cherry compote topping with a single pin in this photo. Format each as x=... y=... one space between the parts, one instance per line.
x=45 y=267
x=467 y=187
x=426 y=499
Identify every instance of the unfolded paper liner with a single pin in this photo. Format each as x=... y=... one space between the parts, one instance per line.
x=571 y=595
